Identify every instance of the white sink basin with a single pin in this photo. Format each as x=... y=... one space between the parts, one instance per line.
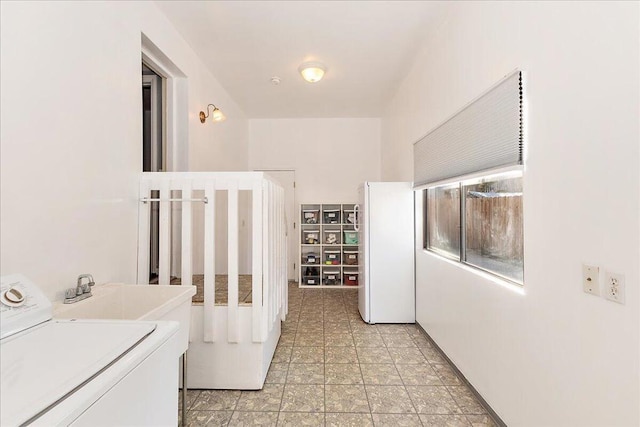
x=135 y=302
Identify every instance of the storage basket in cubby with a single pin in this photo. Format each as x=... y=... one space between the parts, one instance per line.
x=310 y=216
x=310 y=237
x=331 y=236
x=350 y=237
x=311 y=258
x=349 y=216
x=331 y=277
x=311 y=280
x=311 y=276
x=331 y=257
x=350 y=278
x=331 y=216
x=350 y=257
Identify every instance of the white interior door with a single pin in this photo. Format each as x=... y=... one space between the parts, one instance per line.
x=287 y=178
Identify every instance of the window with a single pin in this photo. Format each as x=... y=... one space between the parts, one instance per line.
x=493 y=226
x=443 y=205
x=476 y=222
x=479 y=223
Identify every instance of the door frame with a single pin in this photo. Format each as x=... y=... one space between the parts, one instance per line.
x=175 y=122
x=175 y=111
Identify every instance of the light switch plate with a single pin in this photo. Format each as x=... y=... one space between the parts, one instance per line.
x=591 y=279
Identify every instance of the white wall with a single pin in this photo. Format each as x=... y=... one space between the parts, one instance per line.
x=71 y=135
x=553 y=356
x=331 y=157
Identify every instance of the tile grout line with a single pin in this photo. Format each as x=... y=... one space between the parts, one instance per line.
x=364 y=385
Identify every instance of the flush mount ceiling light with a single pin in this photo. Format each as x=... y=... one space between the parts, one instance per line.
x=312 y=71
x=216 y=114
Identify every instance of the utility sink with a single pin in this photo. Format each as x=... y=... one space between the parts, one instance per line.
x=135 y=302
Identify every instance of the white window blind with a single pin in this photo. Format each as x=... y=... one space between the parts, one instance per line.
x=486 y=134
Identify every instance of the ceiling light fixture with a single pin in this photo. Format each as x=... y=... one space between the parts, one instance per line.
x=312 y=71
x=216 y=114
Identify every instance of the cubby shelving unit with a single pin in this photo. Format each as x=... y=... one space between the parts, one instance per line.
x=328 y=246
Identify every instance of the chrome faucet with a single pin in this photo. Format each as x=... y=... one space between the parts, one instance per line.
x=81 y=291
x=87 y=287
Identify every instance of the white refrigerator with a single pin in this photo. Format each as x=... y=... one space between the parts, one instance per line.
x=385 y=225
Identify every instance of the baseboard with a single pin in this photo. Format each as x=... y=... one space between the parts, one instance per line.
x=496 y=419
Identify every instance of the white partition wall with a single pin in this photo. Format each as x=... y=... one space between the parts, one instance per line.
x=231 y=344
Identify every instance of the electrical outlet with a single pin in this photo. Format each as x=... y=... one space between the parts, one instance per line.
x=614 y=287
x=591 y=279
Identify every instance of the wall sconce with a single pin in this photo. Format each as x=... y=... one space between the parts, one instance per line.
x=216 y=114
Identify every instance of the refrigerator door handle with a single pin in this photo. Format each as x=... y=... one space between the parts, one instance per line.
x=356 y=224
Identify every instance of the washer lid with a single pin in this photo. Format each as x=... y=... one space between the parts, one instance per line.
x=43 y=365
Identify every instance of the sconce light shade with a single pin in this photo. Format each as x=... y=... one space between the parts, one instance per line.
x=312 y=71
x=216 y=114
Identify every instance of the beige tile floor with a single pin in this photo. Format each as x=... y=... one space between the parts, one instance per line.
x=332 y=369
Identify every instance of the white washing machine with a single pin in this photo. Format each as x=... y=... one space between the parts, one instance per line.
x=82 y=372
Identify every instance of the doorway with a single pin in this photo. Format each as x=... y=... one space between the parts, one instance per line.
x=153 y=153
x=167 y=94
x=152 y=121
x=287 y=179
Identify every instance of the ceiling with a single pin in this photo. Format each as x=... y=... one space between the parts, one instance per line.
x=367 y=47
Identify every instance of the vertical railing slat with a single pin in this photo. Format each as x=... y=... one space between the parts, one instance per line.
x=144 y=214
x=209 y=261
x=256 y=262
x=274 y=257
x=285 y=311
x=282 y=280
x=265 y=257
x=187 y=266
x=165 y=234
x=276 y=270
x=232 y=270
